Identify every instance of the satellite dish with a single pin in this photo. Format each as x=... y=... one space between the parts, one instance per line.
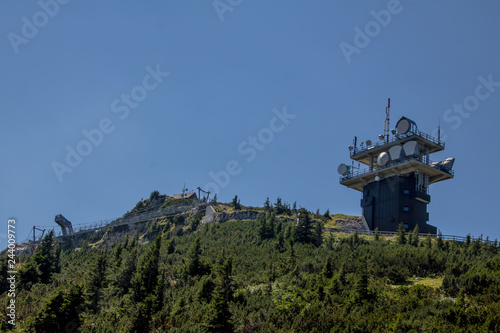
x=393 y=131
x=343 y=169
x=382 y=159
x=448 y=163
x=350 y=147
x=403 y=126
x=368 y=142
x=411 y=148
x=395 y=152
x=381 y=137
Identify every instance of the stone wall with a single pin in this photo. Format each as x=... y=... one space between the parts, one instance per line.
x=239 y=215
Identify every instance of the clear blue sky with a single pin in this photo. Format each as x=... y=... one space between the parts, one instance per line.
x=228 y=69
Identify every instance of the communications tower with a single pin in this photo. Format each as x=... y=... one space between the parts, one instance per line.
x=395 y=184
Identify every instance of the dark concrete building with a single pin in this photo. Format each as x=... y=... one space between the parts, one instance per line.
x=394 y=200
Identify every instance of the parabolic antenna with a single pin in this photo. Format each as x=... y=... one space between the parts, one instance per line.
x=382 y=159
x=380 y=137
x=368 y=142
x=411 y=148
x=448 y=163
x=406 y=125
x=395 y=152
x=403 y=126
x=343 y=169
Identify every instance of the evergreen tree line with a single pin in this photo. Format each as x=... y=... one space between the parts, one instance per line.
x=268 y=275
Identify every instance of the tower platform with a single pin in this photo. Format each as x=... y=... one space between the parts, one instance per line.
x=357 y=179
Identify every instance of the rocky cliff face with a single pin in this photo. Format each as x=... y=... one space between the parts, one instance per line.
x=351 y=224
x=240 y=215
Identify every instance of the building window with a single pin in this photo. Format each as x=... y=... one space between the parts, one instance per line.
x=405 y=226
x=406 y=208
x=406 y=191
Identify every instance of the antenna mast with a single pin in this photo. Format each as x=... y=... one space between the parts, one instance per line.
x=387 y=123
x=439 y=130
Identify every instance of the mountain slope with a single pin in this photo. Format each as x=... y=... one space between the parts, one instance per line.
x=264 y=275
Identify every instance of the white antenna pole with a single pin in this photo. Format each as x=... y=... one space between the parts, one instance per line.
x=387 y=123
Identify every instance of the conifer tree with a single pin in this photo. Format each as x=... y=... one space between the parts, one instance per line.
x=171 y=246
x=267 y=204
x=195 y=267
x=304 y=232
x=280 y=242
x=270 y=225
x=329 y=242
x=42 y=264
x=262 y=227
x=154 y=195
x=96 y=280
x=4 y=286
x=44 y=258
x=361 y=284
x=278 y=206
x=279 y=227
x=122 y=279
x=60 y=312
x=415 y=238
x=218 y=318
x=56 y=253
x=428 y=241
x=401 y=234
x=318 y=233
x=328 y=268
x=118 y=254
x=236 y=203
x=206 y=289
x=145 y=278
x=440 y=242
